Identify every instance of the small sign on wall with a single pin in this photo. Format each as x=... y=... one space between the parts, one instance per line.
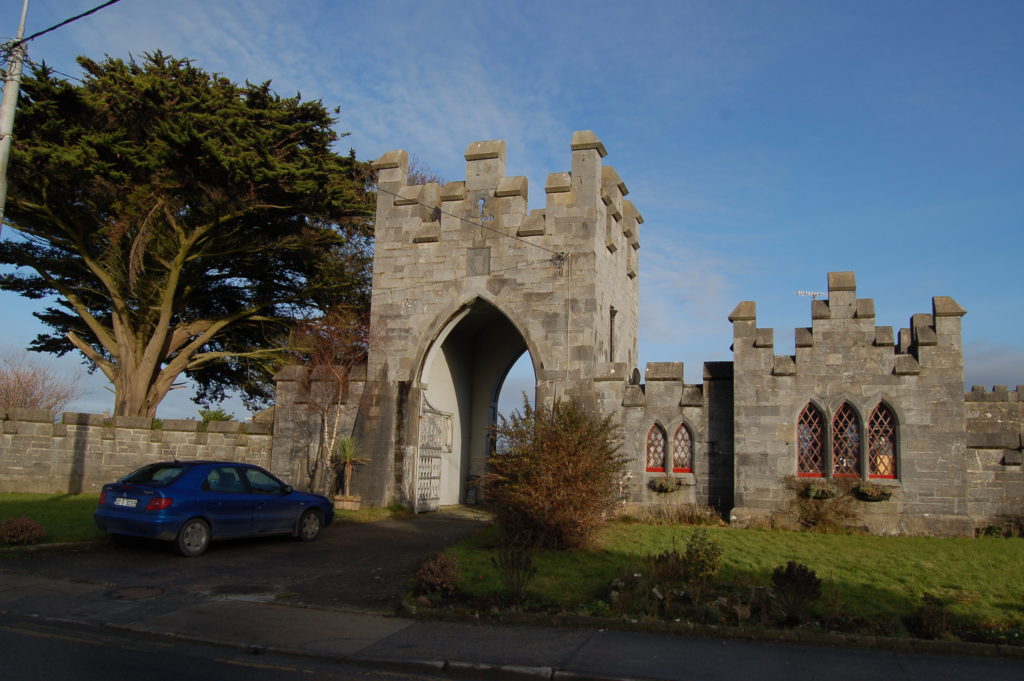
x=478 y=261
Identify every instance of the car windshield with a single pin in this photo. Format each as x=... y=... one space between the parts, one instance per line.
x=156 y=475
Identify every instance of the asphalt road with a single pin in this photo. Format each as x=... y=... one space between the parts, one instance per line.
x=359 y=567
x=34 y=651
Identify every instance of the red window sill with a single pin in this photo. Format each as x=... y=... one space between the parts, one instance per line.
x=655 y=470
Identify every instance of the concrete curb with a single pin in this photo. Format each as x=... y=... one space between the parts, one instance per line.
x=766 y=635
x=457 y=668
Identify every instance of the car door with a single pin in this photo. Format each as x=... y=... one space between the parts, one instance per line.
x=229 y=504
x=276 y=510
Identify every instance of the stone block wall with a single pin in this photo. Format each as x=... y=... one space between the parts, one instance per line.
x=995 y=474
x=844 y=359
x=304 y=398
x=83 y=451
x=664 y=402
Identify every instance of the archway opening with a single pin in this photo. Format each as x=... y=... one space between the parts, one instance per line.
x=520 y=379
x=462 y=379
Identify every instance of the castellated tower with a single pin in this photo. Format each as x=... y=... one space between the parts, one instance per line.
x=466 y=279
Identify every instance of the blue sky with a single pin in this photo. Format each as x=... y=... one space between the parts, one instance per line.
x=765 y=143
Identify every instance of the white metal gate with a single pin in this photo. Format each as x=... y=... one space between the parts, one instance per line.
x=435 y=441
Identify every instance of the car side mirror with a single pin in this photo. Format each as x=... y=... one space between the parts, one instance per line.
x=287 y=489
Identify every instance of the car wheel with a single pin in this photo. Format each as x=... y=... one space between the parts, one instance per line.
x=193 y=538
x=309 y=525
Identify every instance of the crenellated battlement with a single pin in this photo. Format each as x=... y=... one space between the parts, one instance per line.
x=843 y=321
x=585 y=204
x=998 y=393
x=663 y=389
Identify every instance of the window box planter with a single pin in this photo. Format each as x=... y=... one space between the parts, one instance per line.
x=666 y=484
x=821 y=489
x=869 y=491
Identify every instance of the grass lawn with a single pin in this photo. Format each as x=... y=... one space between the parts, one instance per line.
x=878 y=579
x=66 y=517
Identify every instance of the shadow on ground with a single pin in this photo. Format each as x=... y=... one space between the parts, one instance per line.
x=352 y=566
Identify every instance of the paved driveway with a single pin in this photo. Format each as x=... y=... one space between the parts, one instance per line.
x=360 y=567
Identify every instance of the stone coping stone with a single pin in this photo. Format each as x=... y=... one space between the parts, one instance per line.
x=133 y=422
x=30 y=415
x=663 y=371
x=181 y=425
x=259 y=428
x=75 y=418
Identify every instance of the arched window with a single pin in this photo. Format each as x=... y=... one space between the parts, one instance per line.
x=682 y=450
x=882 y=443
x=846 y=443
x=810 y=443
x=656 y=440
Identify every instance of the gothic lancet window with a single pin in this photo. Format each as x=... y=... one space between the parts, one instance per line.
x=810 y=442
x=656 y=440
x=682 y=450
x=882 y=443
x=846 y=443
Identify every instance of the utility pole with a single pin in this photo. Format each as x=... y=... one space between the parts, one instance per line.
x=10 y=102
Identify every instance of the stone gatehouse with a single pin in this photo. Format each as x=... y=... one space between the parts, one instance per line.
x=466 y=279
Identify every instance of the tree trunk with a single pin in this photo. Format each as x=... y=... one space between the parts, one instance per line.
x=136 y=394
x=348 y=477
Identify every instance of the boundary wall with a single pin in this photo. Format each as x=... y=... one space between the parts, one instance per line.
x=83 y=451
x=995 y=454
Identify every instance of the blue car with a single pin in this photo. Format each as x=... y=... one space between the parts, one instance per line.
x=193 y=502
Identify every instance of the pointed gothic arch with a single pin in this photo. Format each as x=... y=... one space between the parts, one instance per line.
x=460 y=375
x=810 y=442
x=883 y=442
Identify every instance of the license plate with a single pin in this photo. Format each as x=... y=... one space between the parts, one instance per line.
x=124 y=501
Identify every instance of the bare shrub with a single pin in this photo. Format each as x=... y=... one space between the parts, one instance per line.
x=331 y=345
x=439 y=574
x=823 y=505
x=28 y=384
x=515 y=565
x=421 y=173
x=680 y=514
x=21 y=531
x=555 y=477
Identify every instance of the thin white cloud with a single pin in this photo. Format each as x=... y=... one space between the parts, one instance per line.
x=693 y=284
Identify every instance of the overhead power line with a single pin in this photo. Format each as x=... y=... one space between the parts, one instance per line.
x=18 y=43
x=14 y=55
x=558 y=254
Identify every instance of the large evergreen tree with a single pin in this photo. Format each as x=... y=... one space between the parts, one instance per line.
x=182 y=222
